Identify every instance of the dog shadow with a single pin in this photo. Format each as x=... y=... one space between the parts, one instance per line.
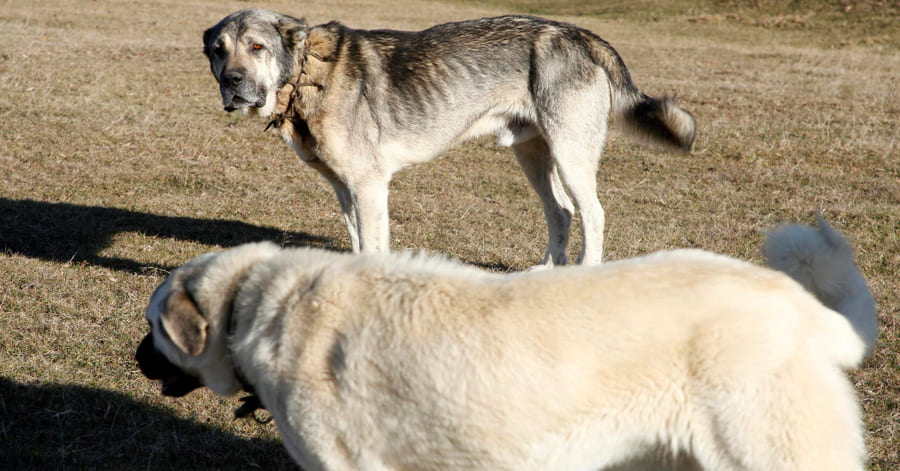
x=66 y=233
x=59 y=426
x=62 y=232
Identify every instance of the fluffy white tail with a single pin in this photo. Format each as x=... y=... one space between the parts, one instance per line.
x=822 y=261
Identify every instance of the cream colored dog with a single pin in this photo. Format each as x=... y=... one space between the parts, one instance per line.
x=681 y=359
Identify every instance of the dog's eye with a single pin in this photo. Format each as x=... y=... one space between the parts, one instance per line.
x=257 y=47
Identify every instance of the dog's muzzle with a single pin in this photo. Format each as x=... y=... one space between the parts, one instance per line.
x=239 y=92
x=154 y=365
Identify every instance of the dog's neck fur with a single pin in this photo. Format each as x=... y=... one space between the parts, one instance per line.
x=300 y=99
x=251 y=403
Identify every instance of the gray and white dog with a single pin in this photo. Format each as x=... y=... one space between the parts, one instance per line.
x=359 y=106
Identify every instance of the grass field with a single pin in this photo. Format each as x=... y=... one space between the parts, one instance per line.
x=117 y=164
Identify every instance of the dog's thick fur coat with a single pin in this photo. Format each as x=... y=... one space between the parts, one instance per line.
x=358 y=106
x=681 y=359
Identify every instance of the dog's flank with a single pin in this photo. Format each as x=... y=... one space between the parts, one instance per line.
x=822 y=261
x=360 y=105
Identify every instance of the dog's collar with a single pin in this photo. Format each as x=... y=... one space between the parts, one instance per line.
x=289 y=113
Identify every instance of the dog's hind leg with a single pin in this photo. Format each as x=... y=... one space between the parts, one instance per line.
x=573 y=118
x=802 y=417
x=576 y=161
x=537 y=163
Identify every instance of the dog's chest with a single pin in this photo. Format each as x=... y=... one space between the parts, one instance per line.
x=295 y=132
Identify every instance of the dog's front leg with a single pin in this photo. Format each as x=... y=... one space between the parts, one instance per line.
x=348 y=211
x=344 y=199
x=346 y=202
x=370 y=200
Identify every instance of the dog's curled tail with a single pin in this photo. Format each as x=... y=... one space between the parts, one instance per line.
x=653 y=121
x=822 y=261
x=656 y=121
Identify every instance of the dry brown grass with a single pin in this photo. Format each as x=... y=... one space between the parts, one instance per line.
x=117 y=164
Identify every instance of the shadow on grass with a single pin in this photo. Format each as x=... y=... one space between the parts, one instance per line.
x=492 y=266
x=66 y=427
x=62 y=232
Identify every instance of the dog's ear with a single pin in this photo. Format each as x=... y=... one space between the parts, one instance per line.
x=184 y=324
x=292 y=31
x=207 y=37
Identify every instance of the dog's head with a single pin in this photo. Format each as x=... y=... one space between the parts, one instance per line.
x=189 y=317
x=252 y=54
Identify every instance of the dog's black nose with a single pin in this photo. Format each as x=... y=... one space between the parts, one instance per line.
x=232 y=78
